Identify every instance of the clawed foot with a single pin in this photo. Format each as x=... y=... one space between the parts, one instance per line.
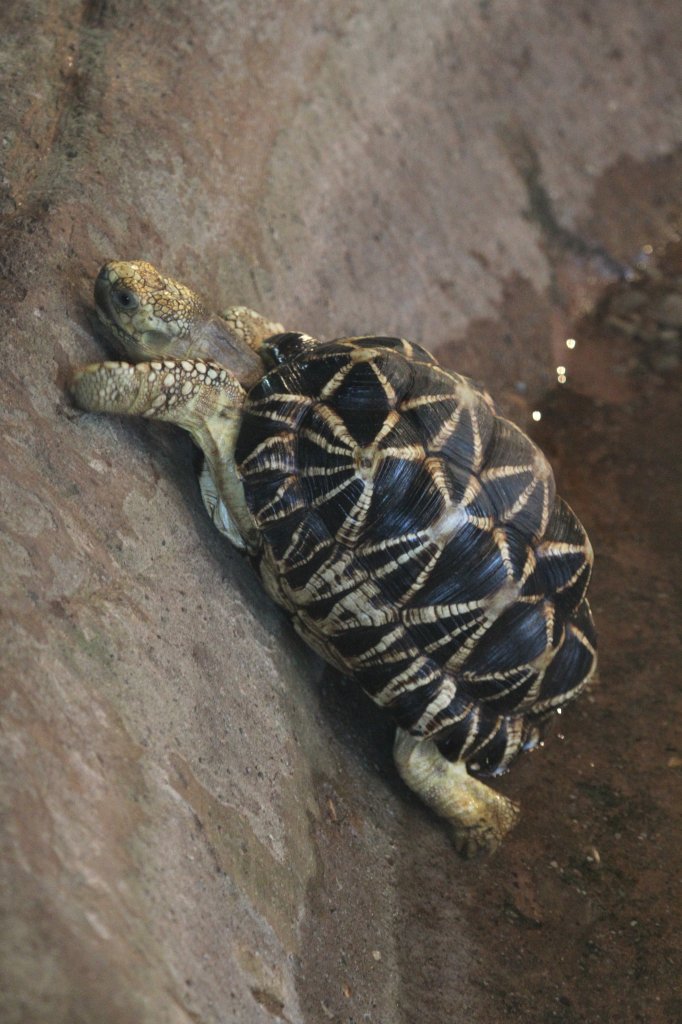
x=483 y=837
x=479 y=817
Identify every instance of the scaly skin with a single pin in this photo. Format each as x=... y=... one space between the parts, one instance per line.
x=149 y=315
x=165 y=324
x=478 y=816
x=201 y=397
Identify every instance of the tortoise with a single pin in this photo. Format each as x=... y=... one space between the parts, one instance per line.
x=412 y=534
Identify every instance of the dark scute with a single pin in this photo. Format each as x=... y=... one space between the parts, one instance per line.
x=317 y=487
x=470 y=568
x=553 y=573
x=271 y=384
x=402 y=574
x=398 y=370
x=427 y=381
x=563 y=525
x=356 y=641
x=572 y=597
x=516 y=638
x=363 y=425
x=310 y=372
x=459 y=447
x=508 y=446
x=253 y=431
x=267 y=506
x=492 y=751
x=427 y=420
x=360 y=391
x=582 y=620
x=362 y=388
x=449 y=633
x=324 y=605
x=258 y=425
x=376 y=677
x=528 y=519
x=458 y=481
x=308 y=550
x=335 y=512
x=281 y=413
x=503 y=493
x=450 y=741
x=262 y=389
x=394 y=345
x=409 y=707
x=315 y=439
x=452 y=744
x=570 y=666
x=489 y=688
x=405 y=499
x=277 y=460
x=278 y=533
x=401 y=434
x=264 y=491
x=280 y=348
x=298 y=576
x=518 y=547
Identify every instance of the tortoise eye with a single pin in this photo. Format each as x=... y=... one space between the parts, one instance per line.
x=124 y=298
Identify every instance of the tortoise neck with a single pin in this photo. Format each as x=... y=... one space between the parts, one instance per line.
x=213 y=339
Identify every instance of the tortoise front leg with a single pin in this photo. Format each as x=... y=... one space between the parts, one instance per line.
x=268 y=340
x=250 y=327
x=201 y=397
x=479 y=816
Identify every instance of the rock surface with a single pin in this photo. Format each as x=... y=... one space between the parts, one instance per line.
x=201 y=823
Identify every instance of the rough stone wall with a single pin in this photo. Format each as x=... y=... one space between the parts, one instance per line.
x=200 y=822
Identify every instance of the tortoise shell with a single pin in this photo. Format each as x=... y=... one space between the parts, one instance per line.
x=417 y=540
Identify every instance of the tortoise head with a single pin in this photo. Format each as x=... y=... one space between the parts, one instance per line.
x=151 y=316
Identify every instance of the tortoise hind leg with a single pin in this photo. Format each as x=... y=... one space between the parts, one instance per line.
x=479 y=816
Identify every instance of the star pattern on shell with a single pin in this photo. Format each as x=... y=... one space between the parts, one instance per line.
x=417 y=540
